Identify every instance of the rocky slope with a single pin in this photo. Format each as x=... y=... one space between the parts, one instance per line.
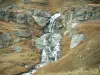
x=82 y=48
x=19 y=27
x=22 y=23
x=16 y=48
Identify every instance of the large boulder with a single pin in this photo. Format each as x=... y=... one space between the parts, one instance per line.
x=6 y=37
x=18 y=17
x=22 y=33
x=41 y=17
x=76 y=40
x=40 y=43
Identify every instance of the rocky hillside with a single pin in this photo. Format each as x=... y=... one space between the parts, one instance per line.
x=85 y=56
x=80 y=44
x=18 y=31
x=23 y=22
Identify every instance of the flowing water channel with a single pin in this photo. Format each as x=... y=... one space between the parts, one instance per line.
x=50 y=46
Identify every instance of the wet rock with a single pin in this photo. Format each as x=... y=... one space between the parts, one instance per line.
x=76 y=40
x=6 y=17
x=54 y=39
x=2 y=14
x=40 y=43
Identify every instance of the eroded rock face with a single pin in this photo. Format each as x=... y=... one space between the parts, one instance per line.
x=22 y=33
x=73 y=18
x=76 y=40
x=24 y=16
x=41 y=17
x=81 y=15
x=17 y=37
x=18 y=17
x=16 y=41
x=17 y=47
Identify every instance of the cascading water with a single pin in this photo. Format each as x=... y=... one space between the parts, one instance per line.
x=50 y=46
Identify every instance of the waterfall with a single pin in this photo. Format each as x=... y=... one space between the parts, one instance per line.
x=50 y=46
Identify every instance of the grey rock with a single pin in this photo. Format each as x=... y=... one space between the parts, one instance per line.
x=6 y=37
x=2 y=14
x=54 y=39
x=16 y=40
x=71 y=33
x=42 y=21
x=40 y=16
x=42 y=13
x=76 y=40
x=17 y=48
x=22 y=33
x=6 y=16
x=40 y=43
x=18 y=17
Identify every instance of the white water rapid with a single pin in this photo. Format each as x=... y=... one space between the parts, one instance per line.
x=49 y=44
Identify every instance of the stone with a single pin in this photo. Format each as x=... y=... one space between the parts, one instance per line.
x=21 y=33
x=17 y=48
x=40 y=43
x=40 y=16
x=41 y=21
x=71 y=33
x=30 y=20
x=54 y=39
x=4 y=13
x=6 y=37
x=15 y=40
x=76 y=40
x=42 y=13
